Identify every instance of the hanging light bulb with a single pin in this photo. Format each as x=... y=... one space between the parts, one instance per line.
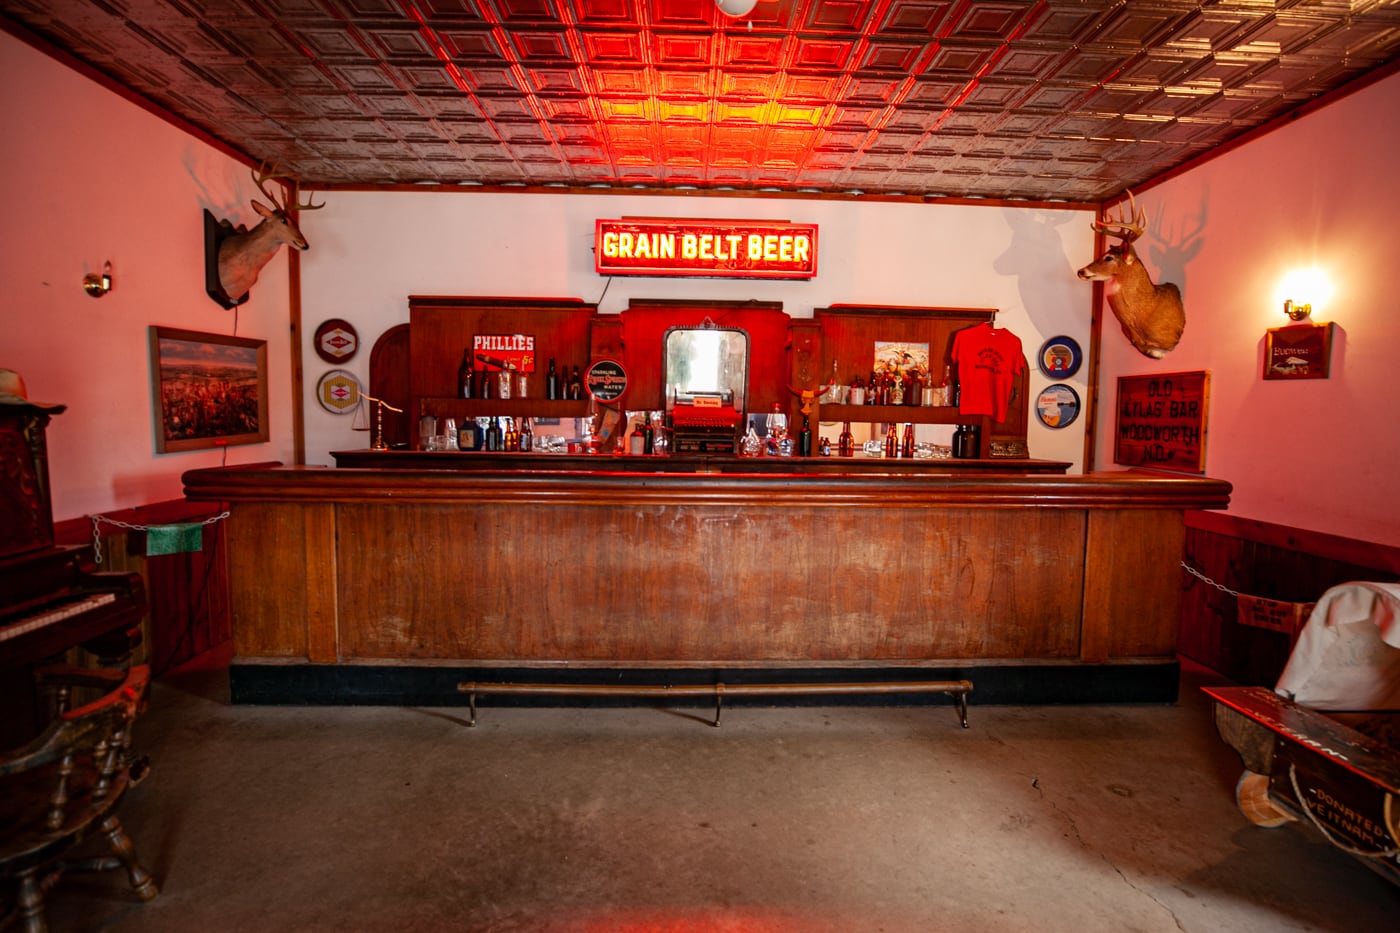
x=736 y=8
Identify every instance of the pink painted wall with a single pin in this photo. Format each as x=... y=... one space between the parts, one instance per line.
x=1320 y=455
x=89 y=178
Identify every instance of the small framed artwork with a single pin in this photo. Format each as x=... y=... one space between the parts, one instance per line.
x=207 y=390
x=1060 y=357
x=1298 y=351
x=1057 y=406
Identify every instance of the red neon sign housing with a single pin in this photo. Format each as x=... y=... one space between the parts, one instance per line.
x=728 y=248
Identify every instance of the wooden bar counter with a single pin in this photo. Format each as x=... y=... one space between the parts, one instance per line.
x=391 y=585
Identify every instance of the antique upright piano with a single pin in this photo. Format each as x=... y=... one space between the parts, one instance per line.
x=51 y=599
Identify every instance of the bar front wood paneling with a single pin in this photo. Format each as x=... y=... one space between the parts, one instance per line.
x=350 y=567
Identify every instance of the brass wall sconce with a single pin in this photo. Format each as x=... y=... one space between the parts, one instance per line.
x=98 y=285
x=1297 y=312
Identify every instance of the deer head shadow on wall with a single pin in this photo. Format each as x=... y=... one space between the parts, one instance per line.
x=233 y=256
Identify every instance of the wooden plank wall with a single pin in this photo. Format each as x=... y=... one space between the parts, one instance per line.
x=1269 y=561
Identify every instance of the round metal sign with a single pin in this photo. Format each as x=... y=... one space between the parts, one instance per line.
x=606 y=380
x=338 y=392
x=336 y=341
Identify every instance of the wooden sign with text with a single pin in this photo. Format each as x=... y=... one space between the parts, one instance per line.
x=1161 y=423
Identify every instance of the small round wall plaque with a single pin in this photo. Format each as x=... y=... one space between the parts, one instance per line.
x=338 y=392
x=1057 y=406
x=336 y=341
x=606 y=380
x=1060 y=357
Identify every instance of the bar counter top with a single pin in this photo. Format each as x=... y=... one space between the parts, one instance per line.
x=682 y=463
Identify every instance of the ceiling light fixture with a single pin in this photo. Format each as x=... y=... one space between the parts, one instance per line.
x=736 y=8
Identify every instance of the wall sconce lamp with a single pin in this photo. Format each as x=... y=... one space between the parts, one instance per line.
x=1297 y=312
x=98 y=285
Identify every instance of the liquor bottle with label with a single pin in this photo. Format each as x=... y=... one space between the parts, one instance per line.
x=494 y=439
x=648 y=434
x=846 y=443
x=464 y=376
x=527 y=436
x=804 y=439
x=575 y=385
x=468 y=437
x=512 y=436
x=857 y=391
x=906 y=448
x=551 y=382
x=892 y=441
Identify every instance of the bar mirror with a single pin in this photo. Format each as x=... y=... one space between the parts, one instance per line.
x=706 y=373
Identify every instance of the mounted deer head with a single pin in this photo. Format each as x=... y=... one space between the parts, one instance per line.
x=1152 y=316
x=244 y=252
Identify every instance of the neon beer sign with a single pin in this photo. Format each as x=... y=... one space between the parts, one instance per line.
x=728 y=248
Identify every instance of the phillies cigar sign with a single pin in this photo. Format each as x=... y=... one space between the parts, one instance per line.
x=731 y=248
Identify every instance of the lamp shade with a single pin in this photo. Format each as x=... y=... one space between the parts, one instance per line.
x=736 y=7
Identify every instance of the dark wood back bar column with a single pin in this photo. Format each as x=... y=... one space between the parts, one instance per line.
x=1067 y=584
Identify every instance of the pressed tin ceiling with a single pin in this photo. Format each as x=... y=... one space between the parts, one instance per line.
x=1051 y=100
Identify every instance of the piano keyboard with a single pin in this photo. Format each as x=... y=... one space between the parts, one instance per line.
x=48 y=616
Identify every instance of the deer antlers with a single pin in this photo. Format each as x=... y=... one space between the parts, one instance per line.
x=1121 y=227
x=266 y=172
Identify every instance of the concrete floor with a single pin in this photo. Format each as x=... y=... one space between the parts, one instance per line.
x=782 y=820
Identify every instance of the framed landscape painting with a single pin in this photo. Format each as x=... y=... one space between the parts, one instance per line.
x=208 y=390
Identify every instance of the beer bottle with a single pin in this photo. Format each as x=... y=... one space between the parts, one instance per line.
x=846 y=443
x=892 y=441
x=493 y=435
x=464 y=376
x=907 y=448
x=512 y=438
x=527 y=436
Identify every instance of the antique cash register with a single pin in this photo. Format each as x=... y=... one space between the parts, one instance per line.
x=706 y=376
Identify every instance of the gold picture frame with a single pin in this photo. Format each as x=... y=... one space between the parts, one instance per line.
x=207 y=390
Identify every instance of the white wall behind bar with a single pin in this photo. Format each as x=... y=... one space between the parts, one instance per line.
x=1323 y=191
x=370 y=251
x=88 y=178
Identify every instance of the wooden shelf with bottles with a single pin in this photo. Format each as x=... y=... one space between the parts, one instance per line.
x=903 y=414
x=844 y=337
x=448 y=407
x=441 y=329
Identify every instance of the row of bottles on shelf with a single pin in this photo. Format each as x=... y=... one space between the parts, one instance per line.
x=560 y=383
x=912 y=387
x=487 y=434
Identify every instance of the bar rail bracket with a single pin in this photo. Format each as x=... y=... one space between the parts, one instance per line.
x=957 y=689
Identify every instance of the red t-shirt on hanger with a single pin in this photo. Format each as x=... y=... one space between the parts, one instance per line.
x=989 y=360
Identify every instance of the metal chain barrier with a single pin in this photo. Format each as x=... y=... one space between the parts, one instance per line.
x=1205 y=579
x=97 y=520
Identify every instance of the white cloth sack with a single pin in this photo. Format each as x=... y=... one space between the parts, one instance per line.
x=1347 y=656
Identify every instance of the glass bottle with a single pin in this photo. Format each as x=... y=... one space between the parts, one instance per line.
x=846 y=443
x=493 y=435
x=907 y=447
x=804 y=440
x=892 y=441
x=551 y=382
x=872 y=394
x=465 y=375
x=527 y=436
x=648 y=434
x=575 y=385
x=857 y=391
x=512 y=436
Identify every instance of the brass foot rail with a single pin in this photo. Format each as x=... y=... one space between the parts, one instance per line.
x=957 y=689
